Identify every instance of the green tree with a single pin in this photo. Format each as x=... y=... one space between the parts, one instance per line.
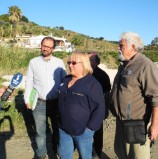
x=61 y=28
x=101 y=38
x=4 y=17
x=77 y=40
x=24 y=19
x=155 y=41
x=15 y=15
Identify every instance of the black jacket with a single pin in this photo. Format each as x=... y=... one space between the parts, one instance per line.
x=81 y=105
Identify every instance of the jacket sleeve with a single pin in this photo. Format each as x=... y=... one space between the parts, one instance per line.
x=97 y=106
x=149 y=83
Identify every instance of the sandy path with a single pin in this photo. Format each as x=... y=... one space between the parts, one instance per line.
x=19 y=146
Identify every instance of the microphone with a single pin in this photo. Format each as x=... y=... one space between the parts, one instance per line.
x=15 y=81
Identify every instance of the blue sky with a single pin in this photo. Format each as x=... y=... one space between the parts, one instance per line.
x=95 y=18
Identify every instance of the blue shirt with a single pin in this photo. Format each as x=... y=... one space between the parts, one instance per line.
x=81 y=105
x=45 y=76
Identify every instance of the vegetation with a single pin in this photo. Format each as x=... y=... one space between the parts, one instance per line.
x=9 y=109
x=151 y=51
x=155 y=41
x=14 y=59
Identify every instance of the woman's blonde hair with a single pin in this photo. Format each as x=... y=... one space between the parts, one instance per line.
x=83 y=57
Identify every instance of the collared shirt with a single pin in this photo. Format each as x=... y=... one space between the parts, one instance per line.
x=45 y=76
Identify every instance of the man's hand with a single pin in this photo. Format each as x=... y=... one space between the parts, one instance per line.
x=28 y=106
x=153 y=130
x=2 y=90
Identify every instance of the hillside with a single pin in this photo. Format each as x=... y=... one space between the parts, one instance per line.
x=106 y=49
x=81 y=41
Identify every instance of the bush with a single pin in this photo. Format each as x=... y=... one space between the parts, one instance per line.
x=13 y=59
x=152 y=55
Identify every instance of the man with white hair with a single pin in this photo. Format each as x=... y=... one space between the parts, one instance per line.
x=134 y=97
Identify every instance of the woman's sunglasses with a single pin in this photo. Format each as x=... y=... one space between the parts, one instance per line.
x=73 y=62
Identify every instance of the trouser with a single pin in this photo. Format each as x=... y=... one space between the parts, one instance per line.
x=82 y=142
x=52 y=113
x=39 y=114
x=98 y=141
x=129 y=151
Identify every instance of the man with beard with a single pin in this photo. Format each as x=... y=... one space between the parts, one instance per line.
x=44 y=74
x=134 y=100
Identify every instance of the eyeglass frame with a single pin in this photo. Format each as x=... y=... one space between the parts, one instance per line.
x=121 y=45
x=48 y=47
x=72 y=62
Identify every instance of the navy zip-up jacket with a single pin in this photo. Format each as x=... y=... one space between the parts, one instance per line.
x=81 y=105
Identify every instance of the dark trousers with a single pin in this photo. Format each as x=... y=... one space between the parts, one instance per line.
x=98 y=141
x=52 y=113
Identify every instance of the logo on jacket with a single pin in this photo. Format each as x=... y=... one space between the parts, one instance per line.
x=129 y=72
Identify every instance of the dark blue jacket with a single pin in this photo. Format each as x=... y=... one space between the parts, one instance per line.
x=81 y=105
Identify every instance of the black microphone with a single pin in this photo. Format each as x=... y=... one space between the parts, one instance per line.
x=16 y=80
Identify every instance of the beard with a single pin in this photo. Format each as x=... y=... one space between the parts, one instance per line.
x=46 y=54
x=120 y=56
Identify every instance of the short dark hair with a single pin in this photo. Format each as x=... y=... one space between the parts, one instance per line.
x=96 y=57
x=48 y=38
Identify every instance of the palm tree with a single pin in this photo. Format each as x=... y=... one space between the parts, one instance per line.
x=15 y=15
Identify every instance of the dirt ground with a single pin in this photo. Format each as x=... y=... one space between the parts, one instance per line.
x=20 y=146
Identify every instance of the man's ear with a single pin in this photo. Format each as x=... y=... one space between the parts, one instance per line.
x=133 y=46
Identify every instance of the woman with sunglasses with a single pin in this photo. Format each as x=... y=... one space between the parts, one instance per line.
x=81 y=108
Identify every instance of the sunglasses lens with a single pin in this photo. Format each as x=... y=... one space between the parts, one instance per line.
x=73 y=63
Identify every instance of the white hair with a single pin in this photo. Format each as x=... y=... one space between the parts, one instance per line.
x=133 y=38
